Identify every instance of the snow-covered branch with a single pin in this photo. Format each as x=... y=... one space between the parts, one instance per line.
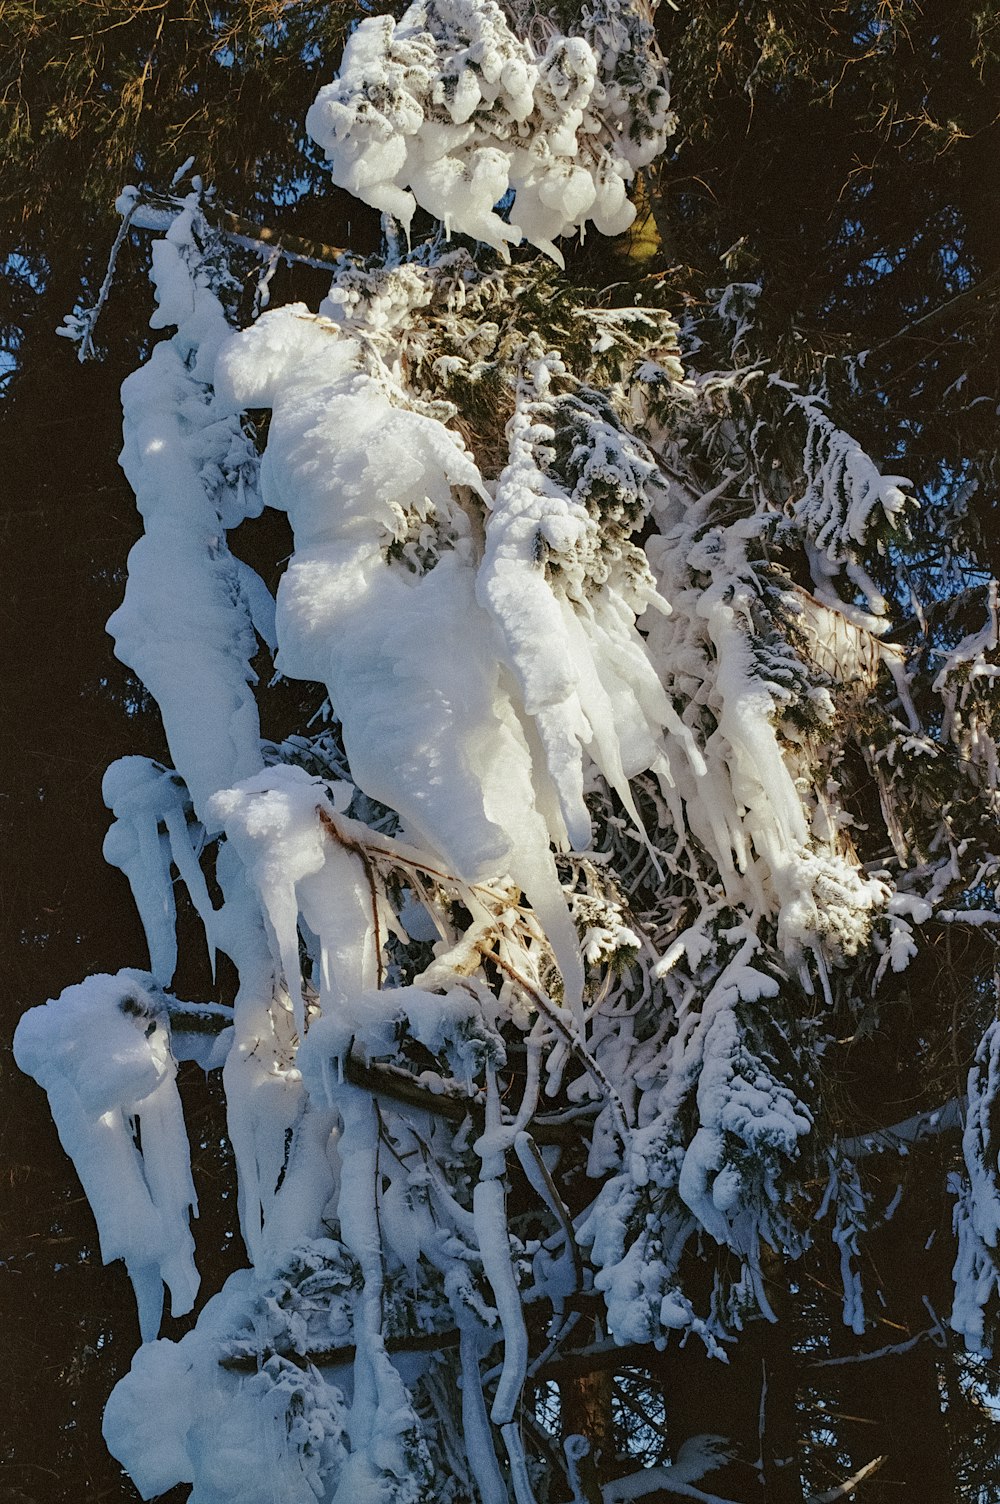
x=846 y=1489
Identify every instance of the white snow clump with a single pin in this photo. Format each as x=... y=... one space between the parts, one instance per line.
x=192 y=471
x=101 y=1051
x=447 y=108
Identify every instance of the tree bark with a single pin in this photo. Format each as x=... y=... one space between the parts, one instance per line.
x=586 y=1411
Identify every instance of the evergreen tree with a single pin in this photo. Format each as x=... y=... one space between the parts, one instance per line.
x=669 y=1042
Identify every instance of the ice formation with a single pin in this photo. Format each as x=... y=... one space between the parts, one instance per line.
x=568 y=886
x=568 y=629
x=144 y=796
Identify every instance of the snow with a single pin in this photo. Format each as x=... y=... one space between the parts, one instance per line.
x=490 y=1217
x=179 y=1417
x=568 y=629
x=966 y=683
x=697 y=1456
x=387 y=1456
x=977 y=1212
x=747 y=806
x=455 y=763
x=101 y=1051
x=447 y=108
x=845 y=497
x=192 y=475
x=568 y=863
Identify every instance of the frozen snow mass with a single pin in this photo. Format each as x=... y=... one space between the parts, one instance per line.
x=536 y=920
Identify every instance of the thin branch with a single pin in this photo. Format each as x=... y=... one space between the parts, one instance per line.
x=388 y=1081
x=595 y=1359
x=579 y=1049
x=948 y=1118
x=943 y=610
x=537 y=1172
x=157 y=212
x=400 y=1086
x=845 y=1489
x=383 y=1080
x=931 y=1333
x=82 y=328
x=989 y=285
x=335 y=1357
x=655 y=1480
x=197 y=1018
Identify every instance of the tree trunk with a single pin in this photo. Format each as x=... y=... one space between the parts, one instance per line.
x=586 y=1411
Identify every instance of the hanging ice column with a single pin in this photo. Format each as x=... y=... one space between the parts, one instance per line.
x=565 y=584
